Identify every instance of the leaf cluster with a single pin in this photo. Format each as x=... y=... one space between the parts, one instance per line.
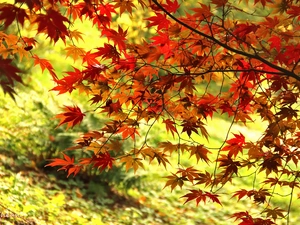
x=199 y=65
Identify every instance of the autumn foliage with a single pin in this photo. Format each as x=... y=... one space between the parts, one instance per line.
x=239 y=59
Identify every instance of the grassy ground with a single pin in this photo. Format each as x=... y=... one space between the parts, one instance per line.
x=30 y=194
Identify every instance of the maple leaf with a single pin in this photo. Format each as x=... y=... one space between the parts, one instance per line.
x=10 y=13
x=29 y=41
x=52 y=23
x=32 y=4
x=76 y=34
x=245 y=217
x=111 y=107
x=202 y=12
x=74 y=169
x=227 y=108
x=9 y=71
x=173 y=181
x=160 y=21
x=275 y=43
x=103 y=161
x=200 y=195
x=271 y=163
x=126 y=5
x=219 y=3
x=213 y=197
x=90 y=58
x=95 y=99
x=235 y=145
x=204 y=178
x=118 y=37
x=230 y=165
x=171 y=7
x=168 y=147
x=75 y=52
x=128 y=131
x=68 y=83
x=132 y=162
x=200 y=152
x=67 y=164
x=243 y=29
x=161 y=39
x=240 y=194
x=71 y=116
x=161 y=157
x=190 y=173
x=274 y=213
x=129 y=63
x=9 y=74
x=294 y=11
x=170 y=126
x=108 y=52
x=189 y=126
x=45 y=64
x=271 y=22
x=206 y=105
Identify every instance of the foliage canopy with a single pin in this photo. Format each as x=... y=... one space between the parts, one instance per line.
x=235 y=58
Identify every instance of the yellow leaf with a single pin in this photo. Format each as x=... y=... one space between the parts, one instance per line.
x=131 y=162
x=76 y=34
x=74 y=52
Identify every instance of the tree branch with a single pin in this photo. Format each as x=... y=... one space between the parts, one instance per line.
x=285 y=72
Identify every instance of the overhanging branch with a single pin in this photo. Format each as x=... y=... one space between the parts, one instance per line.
x=283 y=71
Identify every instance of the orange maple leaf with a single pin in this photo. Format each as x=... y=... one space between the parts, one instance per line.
x=67 y=164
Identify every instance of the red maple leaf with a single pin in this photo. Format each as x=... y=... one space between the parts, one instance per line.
x=10 y=71
x=188 y=127
x=45 y=64
x=67 y=83
x=111 y=107
x=9 y=74
x=243 y=29
x=90 y=58
x=171 y=7
x=128 y=131
x=235 y=145
x=160 y=21
x=170 y=126
x=200 y=195
x=103 y=161
x=52 y=23
x=271 y=22
x=129 y=63
x=202 y=12
x=294 y=11
x=108 y=52
x=9 y=13
x=71 y=116
x=32 y=4
x=118 y=37
x=67 y=164
x=275 y=42
x=240 y=194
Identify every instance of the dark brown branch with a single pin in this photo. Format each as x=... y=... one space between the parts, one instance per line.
x=283 y=71
x=231 y=70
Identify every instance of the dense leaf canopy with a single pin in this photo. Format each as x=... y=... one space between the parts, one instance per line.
x=204 y=61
